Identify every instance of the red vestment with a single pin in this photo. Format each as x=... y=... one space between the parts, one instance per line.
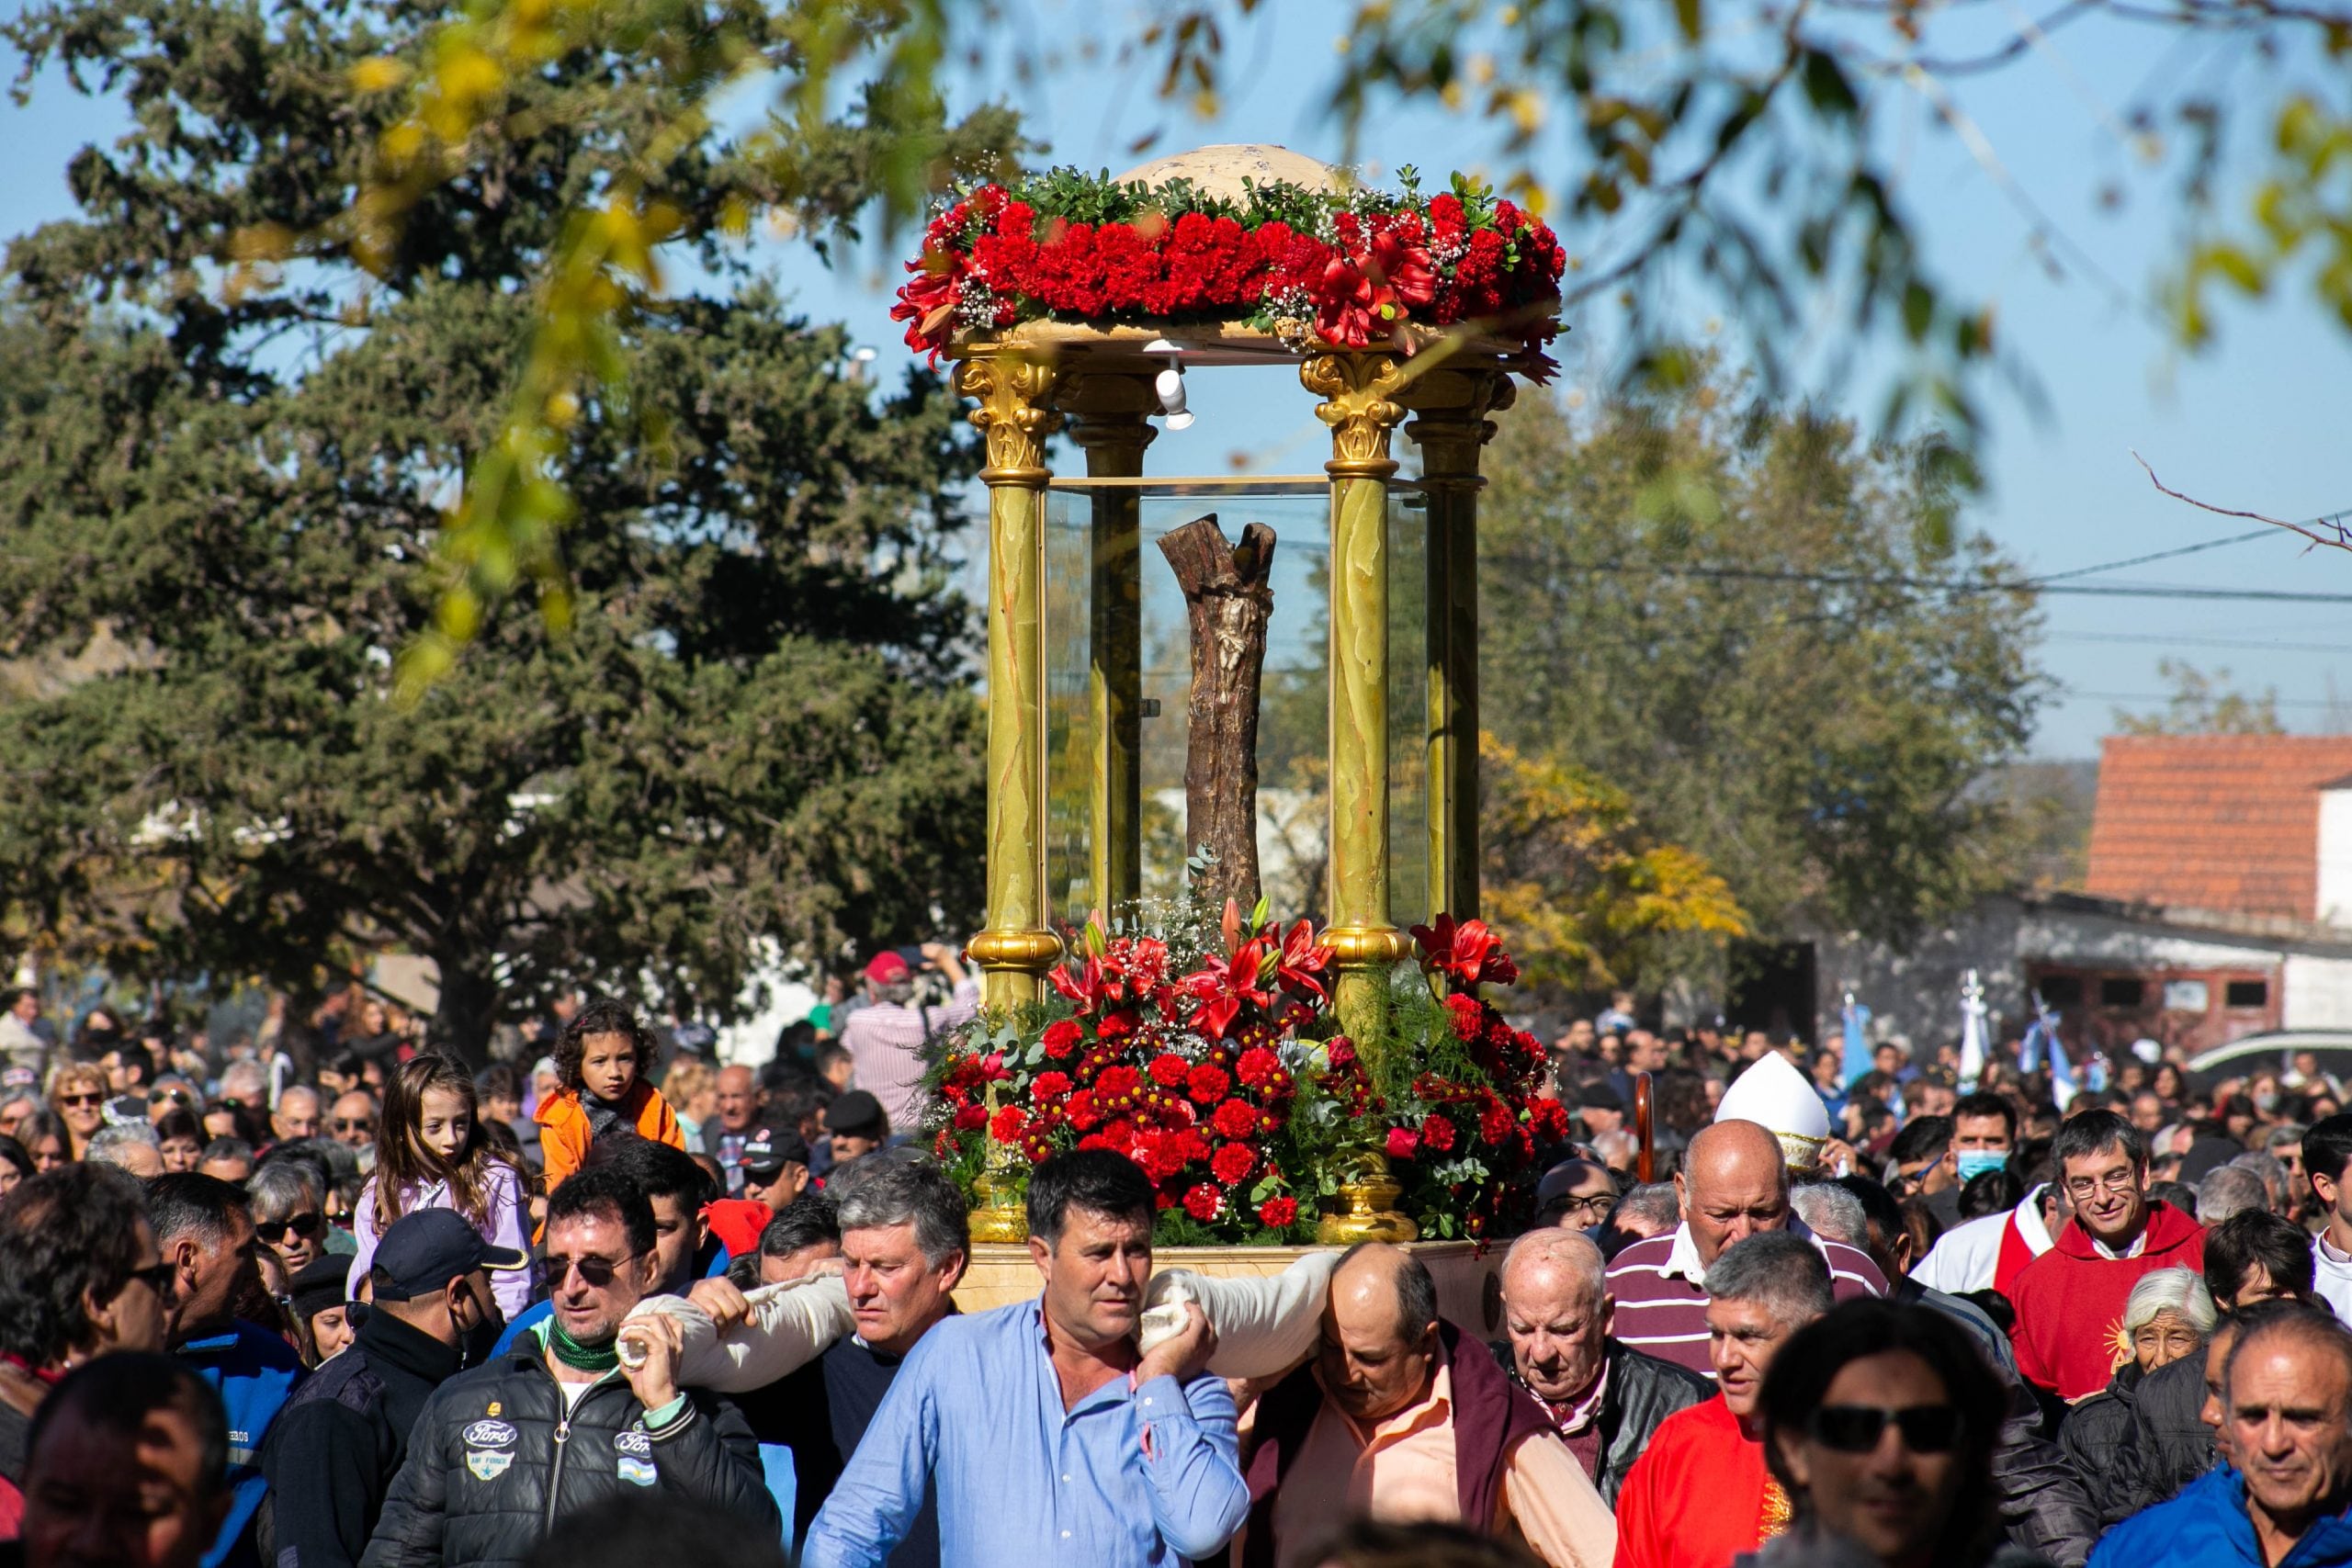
x=1697 y=1497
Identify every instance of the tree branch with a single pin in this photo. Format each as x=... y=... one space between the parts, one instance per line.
x=2339 y=534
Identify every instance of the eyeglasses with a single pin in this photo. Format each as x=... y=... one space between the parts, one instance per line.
x=349 y=1124
x=2081 y=1186
x=90 y=1098
x=1857 y=1428
x=156 y=1277
x=274 y=1231
x=178 y=1097
x=1596 y=1207
x=594 y=1273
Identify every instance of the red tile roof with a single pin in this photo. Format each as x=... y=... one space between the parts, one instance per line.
x=2213 y=821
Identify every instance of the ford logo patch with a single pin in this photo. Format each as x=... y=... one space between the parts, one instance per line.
x=489 y=1435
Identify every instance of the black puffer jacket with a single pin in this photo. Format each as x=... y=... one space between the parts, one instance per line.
x=2096 y=1435
x=1643 y=1391
x=495 y=1459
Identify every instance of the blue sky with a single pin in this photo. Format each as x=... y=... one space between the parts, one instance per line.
x=2255 y=422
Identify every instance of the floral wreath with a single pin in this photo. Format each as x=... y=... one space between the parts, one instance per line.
x=1351 y=268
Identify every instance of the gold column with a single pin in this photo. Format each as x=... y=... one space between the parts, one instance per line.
x=1109 y=419
x=1015 y=395
x=1450 y=438
x=1358 y=391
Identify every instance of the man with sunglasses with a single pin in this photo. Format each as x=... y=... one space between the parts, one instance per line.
x=2070 y=1299
x=1880 y=1422
x=351 y=1121
x=205 y=1230
x=559 y=1424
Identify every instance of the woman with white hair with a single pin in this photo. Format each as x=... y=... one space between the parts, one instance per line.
x=2167 y=1317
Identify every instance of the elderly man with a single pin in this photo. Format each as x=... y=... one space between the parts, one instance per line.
x=1044 y=1434
x=297 y=1115
x=723 y=1138
x=352 y=1120
x=1734 y=1184
x=558 y=1424
x=1604 y=1397
x=1394 y=1421
x=2287 y=1424
x=1700 y=1494
x=2070 y=1299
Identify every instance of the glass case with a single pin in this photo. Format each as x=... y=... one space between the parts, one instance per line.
x=1293 y=806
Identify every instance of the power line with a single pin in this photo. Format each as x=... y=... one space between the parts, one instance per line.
x=2160 y=554
x=2164 y=640
x=2177 y=591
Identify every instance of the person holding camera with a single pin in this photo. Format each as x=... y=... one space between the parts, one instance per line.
x=886 y=1038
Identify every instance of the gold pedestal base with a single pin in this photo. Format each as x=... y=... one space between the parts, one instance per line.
x=1366 y=1211
x=998 y=1214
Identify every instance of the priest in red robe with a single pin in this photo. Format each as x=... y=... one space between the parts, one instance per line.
x=1700 y=1495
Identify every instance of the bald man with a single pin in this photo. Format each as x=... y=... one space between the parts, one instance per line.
x=1399 y=1418
x=1604 y=1397
x=1734 y=1184
x=724 y=1135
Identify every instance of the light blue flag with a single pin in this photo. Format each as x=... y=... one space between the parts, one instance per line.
x=2061 y=1073
x=1858 y=1045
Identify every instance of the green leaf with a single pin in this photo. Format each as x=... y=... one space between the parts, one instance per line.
x=1825 y=86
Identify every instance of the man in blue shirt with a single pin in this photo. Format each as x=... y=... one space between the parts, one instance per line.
x=206 y=1234
x=1044 y=1433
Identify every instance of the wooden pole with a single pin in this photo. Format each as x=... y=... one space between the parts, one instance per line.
x=1229 y=599
x=1645 y=1115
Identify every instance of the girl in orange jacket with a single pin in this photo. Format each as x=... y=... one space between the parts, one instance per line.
x=604 y=1062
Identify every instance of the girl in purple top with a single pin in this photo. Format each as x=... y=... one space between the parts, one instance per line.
x=433 y=1153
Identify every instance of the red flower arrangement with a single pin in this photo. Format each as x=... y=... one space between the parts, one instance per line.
x=1352 y=269
x=1228 y=1087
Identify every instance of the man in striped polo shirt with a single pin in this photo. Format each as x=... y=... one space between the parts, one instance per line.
x=1734 y=1184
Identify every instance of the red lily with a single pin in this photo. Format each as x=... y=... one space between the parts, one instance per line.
x=1302 y=961
x=1468 y=953
x=1221 y=985
x=1090 y=989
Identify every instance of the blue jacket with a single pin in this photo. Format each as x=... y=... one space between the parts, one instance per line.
x=253 y=1370
x=2206 y=1526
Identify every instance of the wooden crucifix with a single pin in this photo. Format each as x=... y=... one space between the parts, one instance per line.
x=1229 y=599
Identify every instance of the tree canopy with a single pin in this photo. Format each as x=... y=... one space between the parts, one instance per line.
x=1779 y=643
x=216 y=502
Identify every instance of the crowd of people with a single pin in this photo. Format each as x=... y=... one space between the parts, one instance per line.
x=329 y=1299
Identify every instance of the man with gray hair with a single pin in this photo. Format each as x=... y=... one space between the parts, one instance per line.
x=130 y=1147
x=2230 y=1189
x=1760 y=1290
x=1604 y=1397
x=905 y=1240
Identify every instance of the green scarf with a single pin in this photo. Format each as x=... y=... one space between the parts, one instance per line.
x=578 y=1356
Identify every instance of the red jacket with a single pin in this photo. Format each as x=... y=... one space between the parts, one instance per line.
x=2069 y=1334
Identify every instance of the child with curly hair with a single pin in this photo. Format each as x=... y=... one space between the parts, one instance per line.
x=603 y=1060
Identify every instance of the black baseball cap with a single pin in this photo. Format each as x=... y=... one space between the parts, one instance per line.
x=857 y=1114
x=769 y=1149
x=423 y=1251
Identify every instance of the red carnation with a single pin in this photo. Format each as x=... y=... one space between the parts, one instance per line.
x=1342 y=1052
x=1437 y=1133
x=1256 y=1065
x=1402 y=1142
x=1006 y=1125
x=1465 y=1015
x=1278 y=1213
x=1204 y=1202
x=1118 y=1081
x=1168 y=1069
x=1049 y=1086
x=1234 y=1120
x=1081 y=1108
x=1063 y=1037
x=1233 y=1162
x=1496 y=1124
x=1207 y=1084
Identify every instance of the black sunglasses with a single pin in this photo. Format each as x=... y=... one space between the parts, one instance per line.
x=597 y=1271
x=274 y=1231
x=1856 y=1429
x=156 y=1277
x=346 y=1124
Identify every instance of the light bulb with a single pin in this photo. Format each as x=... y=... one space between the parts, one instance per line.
x=1180 y=421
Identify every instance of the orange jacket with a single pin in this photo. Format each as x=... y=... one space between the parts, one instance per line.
x=564 y=1127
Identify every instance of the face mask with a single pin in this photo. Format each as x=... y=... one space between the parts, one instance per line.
x=2267 y=1103
x=1973 y=1163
